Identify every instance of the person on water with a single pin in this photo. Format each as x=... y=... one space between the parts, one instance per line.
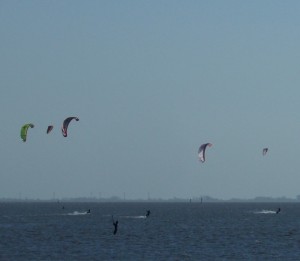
x=278 y=210
x=148 y=213
x=88 y=211
x=115 y=223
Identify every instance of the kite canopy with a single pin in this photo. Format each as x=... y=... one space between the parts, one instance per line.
x=201 y=151
x=265 y=150
x=24 y=130
x=49 y=129
x=66 y=122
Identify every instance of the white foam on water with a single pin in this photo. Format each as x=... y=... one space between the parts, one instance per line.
x=265 y=211
x=134 y=216
x=77 y=213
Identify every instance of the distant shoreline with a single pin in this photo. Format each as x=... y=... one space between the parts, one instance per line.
x=205 y=199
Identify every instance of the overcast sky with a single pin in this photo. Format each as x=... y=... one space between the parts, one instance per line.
x=150 y=82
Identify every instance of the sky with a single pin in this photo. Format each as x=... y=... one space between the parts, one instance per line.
x=150 y=82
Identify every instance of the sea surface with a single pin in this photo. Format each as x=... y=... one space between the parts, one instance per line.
x=173 y=231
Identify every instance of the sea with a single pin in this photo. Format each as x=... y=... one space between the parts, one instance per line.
x=173 y=231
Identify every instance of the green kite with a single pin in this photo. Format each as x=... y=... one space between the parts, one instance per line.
x=24 y=130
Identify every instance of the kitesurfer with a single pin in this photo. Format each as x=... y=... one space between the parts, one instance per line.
x=115 y=223
x=148 y=213
x=88 y=211
x=278 y=210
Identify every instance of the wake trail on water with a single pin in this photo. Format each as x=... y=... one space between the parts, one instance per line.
x=134 y=217
x=265 y=211
x=77 y=213
x=121 y=216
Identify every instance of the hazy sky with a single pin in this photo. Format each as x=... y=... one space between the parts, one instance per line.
x=150 y=81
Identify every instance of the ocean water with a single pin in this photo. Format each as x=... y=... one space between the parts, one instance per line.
x=173 y=231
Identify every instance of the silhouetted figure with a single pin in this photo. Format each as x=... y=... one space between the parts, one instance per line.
x=278 y=210
x=88 y=211
x=148 y=213
x=115 y=223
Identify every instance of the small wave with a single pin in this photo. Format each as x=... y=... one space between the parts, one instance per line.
x=264 y=211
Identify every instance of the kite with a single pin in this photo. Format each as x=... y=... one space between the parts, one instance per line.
x=66 y=122
x=265 y=150
x=201 y=151
x=49 y=129
x=24 y=130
